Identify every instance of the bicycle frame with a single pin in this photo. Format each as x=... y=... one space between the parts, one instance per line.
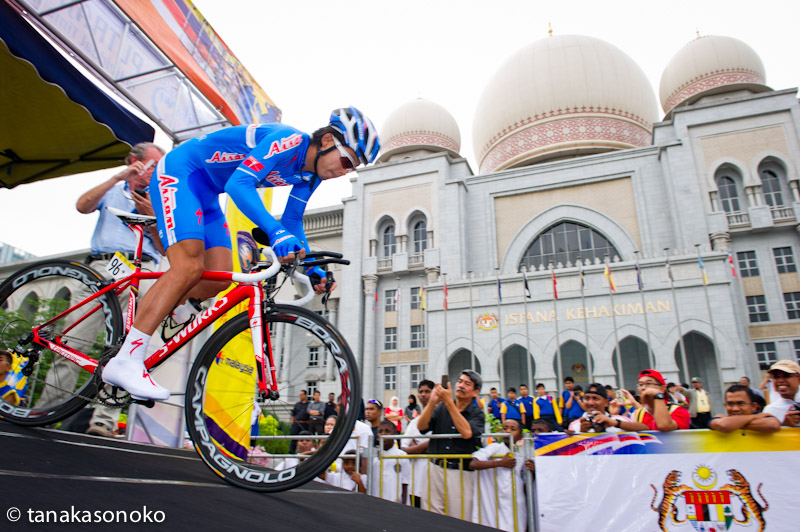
x=253 y=292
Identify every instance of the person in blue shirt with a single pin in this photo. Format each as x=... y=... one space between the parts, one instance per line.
x=185 y=192
x=494 y=404
x=527 y=402
x=570 y=402
x=512 y=408
x=545 y=407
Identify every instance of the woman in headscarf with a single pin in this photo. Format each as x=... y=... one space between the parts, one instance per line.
x=394 y=413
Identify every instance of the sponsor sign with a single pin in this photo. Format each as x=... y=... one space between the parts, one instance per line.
x=682 y=481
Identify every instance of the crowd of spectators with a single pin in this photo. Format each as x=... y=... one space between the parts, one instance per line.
x=466 y=488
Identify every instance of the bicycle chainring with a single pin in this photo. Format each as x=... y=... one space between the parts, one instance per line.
x=110 y=396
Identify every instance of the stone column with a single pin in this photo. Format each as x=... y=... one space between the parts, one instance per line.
x=714 y=201
x=721 y=241
x=370 y=325
x=793 y=186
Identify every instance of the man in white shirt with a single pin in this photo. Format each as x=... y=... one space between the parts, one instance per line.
x=785 y=375
x=419 y=445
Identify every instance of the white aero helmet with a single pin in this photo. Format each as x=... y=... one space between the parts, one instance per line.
x=358 y=131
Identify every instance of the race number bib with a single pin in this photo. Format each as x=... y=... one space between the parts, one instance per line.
x=119 y=266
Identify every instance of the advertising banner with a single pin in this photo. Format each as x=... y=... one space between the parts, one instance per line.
x=164 y=57
x=184 y=35
x=696 y=480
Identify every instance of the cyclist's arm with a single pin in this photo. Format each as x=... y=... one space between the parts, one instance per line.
x=292 y=218
x=243 y=191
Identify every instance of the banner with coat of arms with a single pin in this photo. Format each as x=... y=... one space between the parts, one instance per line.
x=682 y=481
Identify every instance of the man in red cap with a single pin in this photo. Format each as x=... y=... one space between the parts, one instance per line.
x=657 y=413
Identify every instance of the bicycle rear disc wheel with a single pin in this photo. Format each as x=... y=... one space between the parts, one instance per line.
x=56 y=387
x=222 y=402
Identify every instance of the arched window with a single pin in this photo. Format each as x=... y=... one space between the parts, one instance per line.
x=728 y=194
x=728 y=186
x=771 y=186
x=389 y=242
x=420 y=236
x=461 y=360
x=565 y=242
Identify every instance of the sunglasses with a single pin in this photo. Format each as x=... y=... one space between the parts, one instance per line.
x=347 y=162
x=375 y=402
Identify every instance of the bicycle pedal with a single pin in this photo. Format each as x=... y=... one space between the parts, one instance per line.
x=147 y=403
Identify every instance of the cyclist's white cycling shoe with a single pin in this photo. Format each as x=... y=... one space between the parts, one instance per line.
x=131 y=375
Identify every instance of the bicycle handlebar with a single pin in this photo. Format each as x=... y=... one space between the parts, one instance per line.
x=273 y=270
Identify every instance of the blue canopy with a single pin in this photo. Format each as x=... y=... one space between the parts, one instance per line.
x=55 y=121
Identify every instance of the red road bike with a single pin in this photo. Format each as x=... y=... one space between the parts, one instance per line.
x=235 y=373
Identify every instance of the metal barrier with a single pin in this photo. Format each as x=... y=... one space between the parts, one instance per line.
x=375 y=482
x=476 y=494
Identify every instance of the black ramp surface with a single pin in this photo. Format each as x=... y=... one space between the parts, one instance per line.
x=48 y=476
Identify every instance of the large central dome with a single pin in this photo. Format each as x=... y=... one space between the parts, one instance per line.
x=562 y=96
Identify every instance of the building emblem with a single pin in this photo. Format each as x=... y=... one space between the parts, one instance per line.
x=706 y=508
x=487 y=322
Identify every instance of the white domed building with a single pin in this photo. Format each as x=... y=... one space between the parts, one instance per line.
x=711 y=65
x=560 y=97
x=419 y=125
x=575 y=171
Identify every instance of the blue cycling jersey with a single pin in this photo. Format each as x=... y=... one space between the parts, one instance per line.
x=235 y=160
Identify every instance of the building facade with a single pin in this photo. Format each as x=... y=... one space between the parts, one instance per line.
x=696 y=227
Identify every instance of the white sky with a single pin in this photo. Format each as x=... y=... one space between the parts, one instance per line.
x=313 y=56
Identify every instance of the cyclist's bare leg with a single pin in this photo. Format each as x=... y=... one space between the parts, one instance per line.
x=216 y=259
x=126 y=369
x=187 y=261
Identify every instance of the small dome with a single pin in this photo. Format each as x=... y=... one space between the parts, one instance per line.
x=562 y=96
x=710 y=65
x=419 y=124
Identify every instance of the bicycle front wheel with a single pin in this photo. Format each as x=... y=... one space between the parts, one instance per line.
x=231 y=425
x=54 y=387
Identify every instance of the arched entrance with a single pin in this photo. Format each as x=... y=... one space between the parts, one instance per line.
x=702 y=363
x=573 y=363
x=461 y=360
x=634 y=354
x=515 y=368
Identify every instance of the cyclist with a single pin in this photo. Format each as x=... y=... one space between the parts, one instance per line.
x=185 y=189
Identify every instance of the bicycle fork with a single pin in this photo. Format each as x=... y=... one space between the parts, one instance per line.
x=262 y=346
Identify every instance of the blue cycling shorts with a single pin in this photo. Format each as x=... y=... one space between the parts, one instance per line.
x=186 y=204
